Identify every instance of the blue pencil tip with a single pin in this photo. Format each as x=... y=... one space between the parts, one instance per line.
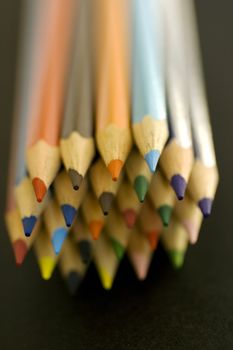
x=152 y=158
x=58 y=239
x=205 y=205
x=179 y=185
x=29 y=224
x=69 y=213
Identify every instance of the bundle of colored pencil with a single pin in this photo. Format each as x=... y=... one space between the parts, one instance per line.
x=105 y=159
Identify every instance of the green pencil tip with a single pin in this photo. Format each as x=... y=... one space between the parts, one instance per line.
x=177 y=258
x=118 y=248
x=141 y=187
x=165 y=212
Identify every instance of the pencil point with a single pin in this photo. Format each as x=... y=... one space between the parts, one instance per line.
x=114 y=167
x=205 y=205
x=141 y=265
x=141 y=187
x=165 y=212
x=40 y=189
x=130 y=217
x=176 y=258
x=47 y=265
x=106 y=200
x=76 y=178
x=106 y=279
x=118 y=248
x=179 y=185
x=73 y=281
x=192 y=231
x=20 y=251
x=152 y=158
x=69 y=214
x=29 y=224
x=58 y=239
x=95 y=227
x=85 y=250
x=153 y=239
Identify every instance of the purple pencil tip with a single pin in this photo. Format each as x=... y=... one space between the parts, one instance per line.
x=179 y=185
x=205 y=205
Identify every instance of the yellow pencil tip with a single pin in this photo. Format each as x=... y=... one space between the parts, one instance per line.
x=47 y=265
x=106 y=279
x=114 y=167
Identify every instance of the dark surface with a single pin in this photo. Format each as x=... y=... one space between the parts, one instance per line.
x=191 y=309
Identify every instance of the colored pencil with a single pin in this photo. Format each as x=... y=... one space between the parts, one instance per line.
x=45 y=255
x=138 y=173
x=118 y=233
x=162 y=197
x=128 y=203
x=82 y=237
x=113 y=134
x=55 y=225
x=29 y=209
x=106 y=261
x=175 y=242
x=93 y=214
x=104 y=188
x=148 y=88
x=33 y=18
x=71 y=266
x=150 y=224
x=190 y=216
x=204 y=178
x=139 y=253
x=77 y=143
x=43 y=156
x=68 y=199
x=177 y=158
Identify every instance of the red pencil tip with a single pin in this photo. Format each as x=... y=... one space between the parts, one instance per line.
x=153 y=239
x=20 y=251
x=130 y=217
x=39 y=188
x=96 y=228
x=114 y=167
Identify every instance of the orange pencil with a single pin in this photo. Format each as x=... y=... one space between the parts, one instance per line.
x=113 y=133
x=43 y=157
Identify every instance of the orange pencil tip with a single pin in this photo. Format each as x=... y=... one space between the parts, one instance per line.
x=114 y=167
x=40 y=189
x=20 y=251
x=153 y=239
x=96 y=228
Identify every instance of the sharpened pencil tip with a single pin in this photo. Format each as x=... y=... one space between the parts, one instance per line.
x=179 y=185
x=118 y=248
x=73 y=281
x=105 y=201
x=114 y=167
x=192 y=231
x=141 y=265
x=205 y=205
x=47 y=265
x=152 y=158
x=141 y=187
x=96 y=227
x=85 y=249
x=69 y=214
x=106 y=279
x=176 y=258
x=153 y=239
x=130 y=217
x=40 y=189
x=58 y=239
x=20 y=251
x=29 y=224
x=76 y=179
x=165 y=212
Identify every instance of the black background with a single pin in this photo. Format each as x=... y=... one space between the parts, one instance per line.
x=190 y=309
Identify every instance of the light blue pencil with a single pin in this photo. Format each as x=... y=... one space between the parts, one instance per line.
x=148 y=91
